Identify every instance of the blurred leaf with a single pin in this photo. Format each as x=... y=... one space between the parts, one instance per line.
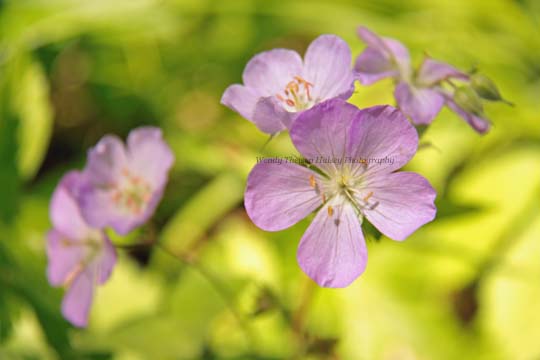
x=9 y=175
x=46 y=308
x=27 y=282
x=200 y=213
x=370 y=232
x=446 y=207
x=34 y=111
x=6 y=311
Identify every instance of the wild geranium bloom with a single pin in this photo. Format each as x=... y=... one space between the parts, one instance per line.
x=345 y=190
x=80 y=256
x=278 y=85
x=125 y=183
x=419 y=94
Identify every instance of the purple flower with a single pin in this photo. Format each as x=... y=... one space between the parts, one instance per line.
x=419 y=94
x=344 y=191
x=126 y=183
x=278 y=85
x=80 y=256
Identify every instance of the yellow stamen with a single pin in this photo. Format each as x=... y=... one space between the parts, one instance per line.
x=366 y=198
x=312 y=182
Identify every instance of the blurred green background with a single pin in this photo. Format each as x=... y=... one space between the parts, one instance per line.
x=466 y=286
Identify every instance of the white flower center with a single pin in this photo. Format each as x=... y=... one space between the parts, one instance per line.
x=343 y=185
x=131 y=193
x=297 y=95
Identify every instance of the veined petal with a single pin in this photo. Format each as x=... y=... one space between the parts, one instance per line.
x=279 y=195
x=78 y=299
x=106 y=161
x=327 y=64
x=324 y=132
x=106 y=261
x=383 y=137
x=421 y=105
x=149 y=156
x=64 y=209
x=372 y=65
x=241 y=99
x=65 y=257
x=333 y=251
x=432 y=72
x=395 y=53
x=397 y=204
x=270 y=117
x=479 y=124
x=270 y=71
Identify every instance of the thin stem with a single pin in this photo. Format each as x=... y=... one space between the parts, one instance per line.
x=299 y=316
x=220 y=289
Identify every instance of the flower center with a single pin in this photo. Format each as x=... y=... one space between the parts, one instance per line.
x=344 y=186
x=132 y=193
x=297 y=95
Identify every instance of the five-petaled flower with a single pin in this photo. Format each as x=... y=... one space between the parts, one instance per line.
x=419 y=94
x=278 y=85
x=125 y=183
x=80 y=256
x=333 y=251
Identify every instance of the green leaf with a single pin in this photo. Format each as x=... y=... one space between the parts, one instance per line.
x=9 y=176
x=200 y=213
x=31 y=103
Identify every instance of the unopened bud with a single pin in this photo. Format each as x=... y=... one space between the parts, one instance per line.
x=486 y=88
x=467 y=99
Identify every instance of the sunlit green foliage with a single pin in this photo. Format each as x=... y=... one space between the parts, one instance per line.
x=466 y=286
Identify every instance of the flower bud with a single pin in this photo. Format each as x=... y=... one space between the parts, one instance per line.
x=486 y=88
x=467 y=99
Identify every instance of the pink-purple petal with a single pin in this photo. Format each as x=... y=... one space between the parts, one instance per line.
x=393 y=51
x=478 y=123
x=432 y=72
x=421 y=105
x=332 y=251
x=106 y=160
x=324 y=131
x=64 y=210
x=106 y=261
x=372 y=65
x=270 y=116
x=100 y=211
x=327 y=65
x=64 y=256
x=78 y=299
x=279 y=195
x=270 y=71
x=399 y=203
x=149 y=156
x=382 y=133
x=241 y=99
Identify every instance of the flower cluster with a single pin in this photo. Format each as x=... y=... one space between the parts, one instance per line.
x=120 y=187
x=308 y=97
x=421 y=93
x=279 y=86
